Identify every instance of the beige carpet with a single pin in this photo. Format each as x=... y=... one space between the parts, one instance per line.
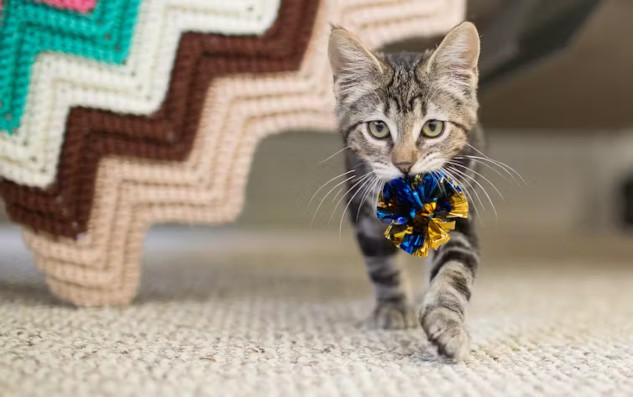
x=212 y=320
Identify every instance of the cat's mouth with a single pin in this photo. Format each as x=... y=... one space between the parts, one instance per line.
x=387 y=173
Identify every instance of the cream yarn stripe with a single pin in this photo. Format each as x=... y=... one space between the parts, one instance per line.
x=102 y=267
x=61 y=81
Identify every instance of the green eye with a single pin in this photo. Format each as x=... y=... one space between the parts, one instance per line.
x=378 y=129
x=433 y=128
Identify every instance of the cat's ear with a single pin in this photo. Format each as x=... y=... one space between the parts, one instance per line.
x=457 y=55
x=350 y=59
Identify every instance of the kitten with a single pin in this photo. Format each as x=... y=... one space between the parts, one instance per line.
x=411 y=113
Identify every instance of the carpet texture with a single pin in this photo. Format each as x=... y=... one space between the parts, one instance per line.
x=211 y=320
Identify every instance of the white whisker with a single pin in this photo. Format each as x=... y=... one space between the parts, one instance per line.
x=497 y=162
x=336 y=196
x=490 y=162
x=468 y=194
x=480 y=186
x=488 y=165
x=324 y=197
x=332 y=156
x=438 y=177
x=340 y=225
x=377 y=188
x=477 y=173
x=324 y=185
x=365 y=195
x=360 y=180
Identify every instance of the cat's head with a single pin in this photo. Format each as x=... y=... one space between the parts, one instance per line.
x=406 y=113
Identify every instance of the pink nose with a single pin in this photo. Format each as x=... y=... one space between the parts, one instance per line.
x=404 y=166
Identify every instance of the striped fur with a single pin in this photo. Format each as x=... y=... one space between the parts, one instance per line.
x=404 y=91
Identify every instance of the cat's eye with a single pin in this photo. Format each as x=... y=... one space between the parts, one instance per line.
x=378 y=129
x=433 y=128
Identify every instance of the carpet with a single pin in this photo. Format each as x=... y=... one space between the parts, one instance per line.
x=228 y=312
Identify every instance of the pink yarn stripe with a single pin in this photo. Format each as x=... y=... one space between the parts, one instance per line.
x=77 y=5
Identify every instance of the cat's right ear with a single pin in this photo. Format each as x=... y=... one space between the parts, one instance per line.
x=350 y=59
x=457 y=56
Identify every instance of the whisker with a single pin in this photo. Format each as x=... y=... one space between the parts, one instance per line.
x=429 y=159
x=377 y=188
x=467 y=184
x=490 y=163
x=484 y=156
x=332 y=156
x=340 y=224
x=438 y=177
x=357 y=182
x=338 y=193
x=468 y=194
x=480 y=186
x=344 y=190
x=493 y=169
x=477 y=173
x=324 y=197
x=324 y=185
x=497 y=162
x=380 y=186
x=365 y=195
x=365 y=199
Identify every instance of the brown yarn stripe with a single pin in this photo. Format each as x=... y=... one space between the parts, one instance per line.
x=167 y=135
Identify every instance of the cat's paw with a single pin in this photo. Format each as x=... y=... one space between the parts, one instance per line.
x=445 y=329
x=392 y=315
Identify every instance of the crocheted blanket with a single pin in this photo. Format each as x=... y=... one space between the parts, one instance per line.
x=122 y=113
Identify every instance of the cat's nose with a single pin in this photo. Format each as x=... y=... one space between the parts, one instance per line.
x=404 y=166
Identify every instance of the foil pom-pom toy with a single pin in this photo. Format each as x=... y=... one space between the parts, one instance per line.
x=419 y=210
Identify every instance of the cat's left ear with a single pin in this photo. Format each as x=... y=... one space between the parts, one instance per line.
x=457 y=56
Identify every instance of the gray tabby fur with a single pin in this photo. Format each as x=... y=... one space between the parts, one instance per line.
x=405 y=90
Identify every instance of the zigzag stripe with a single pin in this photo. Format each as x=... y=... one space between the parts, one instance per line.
x=208 y=186
x=91 y=134
x=29 y=29
x=59 y=82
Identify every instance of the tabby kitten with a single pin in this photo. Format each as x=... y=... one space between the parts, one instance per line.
x=410 y=113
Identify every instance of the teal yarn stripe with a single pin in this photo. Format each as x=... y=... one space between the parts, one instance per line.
x=29 y=28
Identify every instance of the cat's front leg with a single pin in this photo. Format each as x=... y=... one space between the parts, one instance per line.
x=444 y=307
x=393 y=307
